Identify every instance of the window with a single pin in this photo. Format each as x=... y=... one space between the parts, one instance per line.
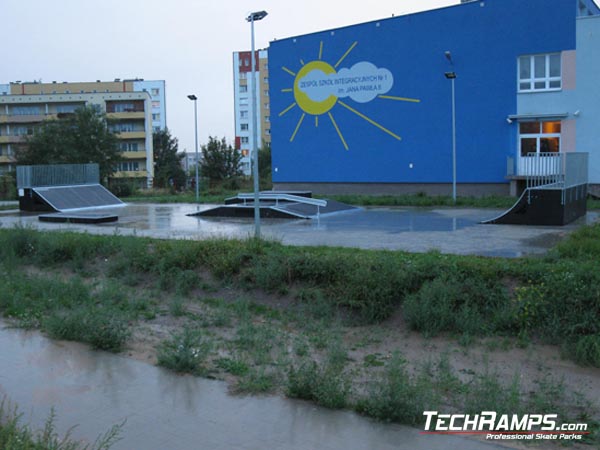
x=243 y=101
x=66 y=108
x=244 y=114
x=266 y=106
x=156 y=129
x=25 y=110
x=267 y=119
x=122 y=127
x=245 y=153
x=155 y=92
x=539 y=137
x=266 y=92
x=242 y=75
x=124 y=107
x=243 y=88
x=244 y=127
x=128 y=167
x=245 y=140
x=268 y=132
x=155 y=104
x=156 y=116
x=540 y=73
x=266 y=80
x=128 y=146
x=23 y=130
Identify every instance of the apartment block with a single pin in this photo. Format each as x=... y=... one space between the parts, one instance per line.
x=136 y=109
x=243 y=77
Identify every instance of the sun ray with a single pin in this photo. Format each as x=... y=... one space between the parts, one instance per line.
x=371 y=121
x=287 y=90
x=297 y=127
x=400 y=99
x=316 y=121
x=287 y=109
x=345 y=54
x=285 y=69
x=338 y=130
x=321 y=51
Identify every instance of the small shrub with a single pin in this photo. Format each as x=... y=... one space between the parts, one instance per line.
x=233 y=366
x=486 y=392
x=185 y=352
x=102 y=328
x=587 y=351
x=395 y=397
x=325 y=385
x=255 y=381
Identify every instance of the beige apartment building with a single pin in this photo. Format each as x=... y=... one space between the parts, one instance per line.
x=23 y=106
x=242 y=93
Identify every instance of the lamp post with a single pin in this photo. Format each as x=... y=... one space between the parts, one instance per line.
x=195 y=100
x=253 y=17
x=452 y=77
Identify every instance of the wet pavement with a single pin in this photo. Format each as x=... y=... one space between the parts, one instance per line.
x=448 y=230
x=164 y=411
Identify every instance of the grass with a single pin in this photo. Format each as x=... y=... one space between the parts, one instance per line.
x=96 y=289
x=16 y=436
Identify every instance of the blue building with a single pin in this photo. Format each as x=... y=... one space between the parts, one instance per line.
x=368 y=108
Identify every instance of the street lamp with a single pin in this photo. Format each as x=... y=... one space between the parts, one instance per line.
x=452 y=77
x=195 y=100
x=253 y=17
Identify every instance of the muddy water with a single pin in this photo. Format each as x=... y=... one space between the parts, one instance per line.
x=95 y=390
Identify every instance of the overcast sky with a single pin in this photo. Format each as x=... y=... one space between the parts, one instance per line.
x=188 y=44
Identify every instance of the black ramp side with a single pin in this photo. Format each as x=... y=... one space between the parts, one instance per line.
x=518 y=209
x=64 y=198
x=539 y=206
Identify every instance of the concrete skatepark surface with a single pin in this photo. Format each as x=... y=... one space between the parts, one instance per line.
x=96 y=390
x=448 y=230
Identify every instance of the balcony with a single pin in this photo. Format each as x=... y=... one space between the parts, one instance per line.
x=12 y=139
x=134 y=155
x=132 y=135
x=131 y=174
x=26 y=118
x=126 y=115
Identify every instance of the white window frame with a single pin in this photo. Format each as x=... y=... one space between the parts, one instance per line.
x=538 y=137
x=532 y=80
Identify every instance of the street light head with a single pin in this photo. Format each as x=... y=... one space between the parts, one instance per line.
x=259 y=15
x=192 y=97
x=450 y=75
x=448 y=55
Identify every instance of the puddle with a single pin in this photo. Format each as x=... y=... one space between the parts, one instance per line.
x=95 y=390
x=448 y=230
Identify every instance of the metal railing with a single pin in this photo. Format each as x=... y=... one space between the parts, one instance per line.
x=561 y=171
x=543 y=169
x=283 y=197
x=57 y=175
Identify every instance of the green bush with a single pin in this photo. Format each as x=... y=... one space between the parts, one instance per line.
x=102 y=328
x=185 y=352
x=395 y=397
x=455 y=303
x=587 y=351
x=324 y=384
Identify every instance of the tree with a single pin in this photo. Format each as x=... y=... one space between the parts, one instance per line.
x=167 y=162
x=264 y=166
x=220 y=161
x=80 y=138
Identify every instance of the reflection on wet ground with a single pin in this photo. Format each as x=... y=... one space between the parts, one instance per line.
x=449 y=230
x=95 y=390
